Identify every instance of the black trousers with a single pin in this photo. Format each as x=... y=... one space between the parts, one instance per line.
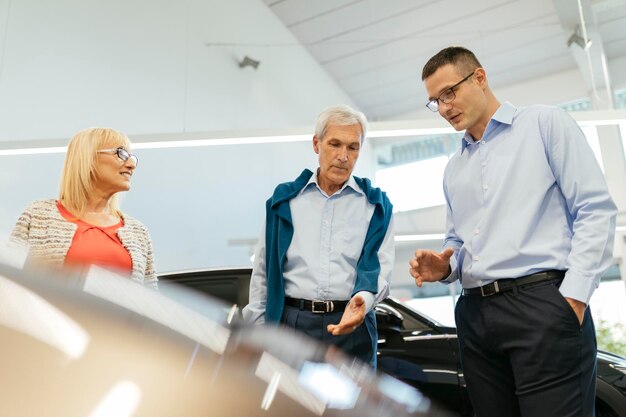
x=524 y=353
x=357 y=343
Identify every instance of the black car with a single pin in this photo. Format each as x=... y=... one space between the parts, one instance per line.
x=415 y=348
x=425 y=354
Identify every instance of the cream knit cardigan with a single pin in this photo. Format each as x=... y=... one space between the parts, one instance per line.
x=48 y=236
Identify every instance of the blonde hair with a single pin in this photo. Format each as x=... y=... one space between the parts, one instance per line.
x=80 y=169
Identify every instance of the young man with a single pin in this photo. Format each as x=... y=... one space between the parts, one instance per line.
x=530 y=227
x=326 y=255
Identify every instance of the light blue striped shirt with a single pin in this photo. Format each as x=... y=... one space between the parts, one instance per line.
x=329 y=233
x=529 y=196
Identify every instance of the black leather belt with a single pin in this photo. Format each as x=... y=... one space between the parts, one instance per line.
x=503 y=285
x=317 y=306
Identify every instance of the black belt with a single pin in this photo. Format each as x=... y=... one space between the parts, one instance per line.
x=503 y=285
x=317 y=306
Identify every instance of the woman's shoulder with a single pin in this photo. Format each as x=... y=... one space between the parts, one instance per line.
x=42 y=206
x=133 y=224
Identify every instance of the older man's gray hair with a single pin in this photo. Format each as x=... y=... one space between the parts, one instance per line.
x=341 y=115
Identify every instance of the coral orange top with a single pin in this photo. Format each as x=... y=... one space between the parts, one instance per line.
x=96 y=245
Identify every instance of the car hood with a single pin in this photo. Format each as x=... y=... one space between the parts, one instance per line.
x=99 y=344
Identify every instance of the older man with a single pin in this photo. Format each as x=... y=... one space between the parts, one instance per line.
x=326 y=254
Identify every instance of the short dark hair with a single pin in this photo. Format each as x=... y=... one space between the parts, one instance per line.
x=461 y=58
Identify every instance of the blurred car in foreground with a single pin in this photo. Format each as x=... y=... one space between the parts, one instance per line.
x=99 y=345
x=414 y=348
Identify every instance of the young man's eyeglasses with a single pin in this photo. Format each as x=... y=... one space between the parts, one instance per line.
x=447 y=96
x=121 y=153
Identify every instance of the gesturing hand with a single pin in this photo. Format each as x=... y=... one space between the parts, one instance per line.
x=430 y=266
x=353 y=317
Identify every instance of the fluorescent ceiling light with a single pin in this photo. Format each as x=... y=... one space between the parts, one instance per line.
x=417 y=238
x=441 y=236
x=222 y=142
x=251 y=140
x=230 y=141
x=409 y=132
x=602 y=122
x=32 y=151
x=174 y=144
x=378 y=130
x=600 y=117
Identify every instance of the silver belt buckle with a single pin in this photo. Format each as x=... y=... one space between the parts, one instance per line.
x=487 y=294
x=327 y=306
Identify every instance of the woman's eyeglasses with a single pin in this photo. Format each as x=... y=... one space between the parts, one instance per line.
x=121 y=153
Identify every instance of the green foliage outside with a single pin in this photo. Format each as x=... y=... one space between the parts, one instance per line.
x=611 y=337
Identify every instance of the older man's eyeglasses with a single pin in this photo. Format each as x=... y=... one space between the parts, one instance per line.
x=447 y=96
x=121 y=153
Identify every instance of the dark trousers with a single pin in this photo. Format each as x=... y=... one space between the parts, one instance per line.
x=357 y=343
x=524 y=353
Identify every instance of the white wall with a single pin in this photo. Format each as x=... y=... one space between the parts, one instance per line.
x=194 y=201
x=143 y=66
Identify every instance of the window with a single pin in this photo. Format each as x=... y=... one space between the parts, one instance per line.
x=622 y=128
x=591 y=133
x=415 y=185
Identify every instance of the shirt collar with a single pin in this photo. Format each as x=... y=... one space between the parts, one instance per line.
x=313 y=182
x=504 y=115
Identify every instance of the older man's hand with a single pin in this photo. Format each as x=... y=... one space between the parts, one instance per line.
x=353 y=317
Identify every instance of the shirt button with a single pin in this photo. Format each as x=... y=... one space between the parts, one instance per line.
x=482 y=142
x=484 y=164
x=485 y=187
x=476 y=231
x=477 y=258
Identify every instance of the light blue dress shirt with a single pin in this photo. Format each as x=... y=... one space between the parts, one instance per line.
x=329 y=233
x=529 y=196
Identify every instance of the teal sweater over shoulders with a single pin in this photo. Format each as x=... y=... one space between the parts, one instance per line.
x=279 y=232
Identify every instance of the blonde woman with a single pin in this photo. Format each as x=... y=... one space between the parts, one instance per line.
x=85 y=225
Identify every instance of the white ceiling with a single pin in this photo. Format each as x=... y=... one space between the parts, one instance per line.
x=375 y=49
